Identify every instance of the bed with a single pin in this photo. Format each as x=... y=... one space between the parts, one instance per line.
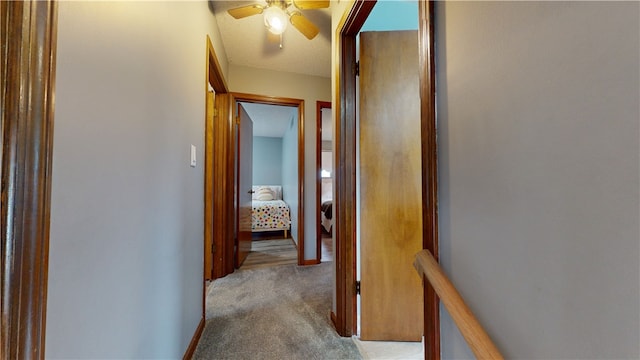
x=326 y=205
x=326 y=215
x=268 y=211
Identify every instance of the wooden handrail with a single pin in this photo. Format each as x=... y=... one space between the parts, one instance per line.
x=469 y=327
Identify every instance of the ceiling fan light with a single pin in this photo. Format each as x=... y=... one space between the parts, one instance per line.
x=275 y=19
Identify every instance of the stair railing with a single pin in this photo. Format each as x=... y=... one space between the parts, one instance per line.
x=475 y=336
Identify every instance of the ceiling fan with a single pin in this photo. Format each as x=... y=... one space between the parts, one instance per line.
x=277 y=13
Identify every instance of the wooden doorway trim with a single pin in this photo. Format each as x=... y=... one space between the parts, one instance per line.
x=217 y=122
x=215 y=220
x=345 y=209
x=299 y=104
x=319 y=106
x=430 y=237
x=345 y=159
x=27 y=86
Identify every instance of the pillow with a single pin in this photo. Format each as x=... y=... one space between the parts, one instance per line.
x=264 y=194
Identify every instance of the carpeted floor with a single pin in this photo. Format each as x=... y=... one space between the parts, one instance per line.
x=280 y=312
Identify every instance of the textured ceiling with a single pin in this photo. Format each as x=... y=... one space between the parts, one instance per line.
x=247 y=42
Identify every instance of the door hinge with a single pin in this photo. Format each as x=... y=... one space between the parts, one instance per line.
x=357 y=287
x=356 y=68
x=238 y=120
x=215 y=112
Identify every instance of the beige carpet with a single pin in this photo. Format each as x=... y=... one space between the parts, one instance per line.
x=279 y=312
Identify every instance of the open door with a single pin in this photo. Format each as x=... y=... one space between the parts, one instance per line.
x=390 y=186
x=245 y=182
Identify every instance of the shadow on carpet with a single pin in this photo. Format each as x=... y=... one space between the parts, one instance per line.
x=280 y=312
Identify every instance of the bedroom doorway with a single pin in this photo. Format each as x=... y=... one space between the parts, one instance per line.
x=277 y=169
x=324 y=182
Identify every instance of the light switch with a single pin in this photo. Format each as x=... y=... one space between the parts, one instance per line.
x=193 y=155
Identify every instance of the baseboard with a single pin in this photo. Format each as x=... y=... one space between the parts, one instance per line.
x=194 y=341
x=310 y=262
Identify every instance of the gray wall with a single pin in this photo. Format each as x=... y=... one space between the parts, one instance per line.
x=267 y=160
x=126 y=263
x=290 y=174
x=539 y=174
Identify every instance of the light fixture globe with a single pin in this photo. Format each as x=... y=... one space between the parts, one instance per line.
x=275 y=19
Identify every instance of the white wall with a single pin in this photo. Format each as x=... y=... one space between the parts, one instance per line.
x=538 y=129
x=308 y=88
x=126 y=263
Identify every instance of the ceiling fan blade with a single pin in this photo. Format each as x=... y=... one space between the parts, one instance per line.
x=311 y=4
x=306 y=27
x=244 y=11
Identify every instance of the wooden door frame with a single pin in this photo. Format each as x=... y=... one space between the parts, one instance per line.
x=319 y=106
x=218 y=173
x=27 y=87
x=430 y=239
x=344 y=204
x=345 y=145
x=215 y=217
x=299 y=104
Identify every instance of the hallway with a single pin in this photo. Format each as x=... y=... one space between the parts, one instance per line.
x=279 y=312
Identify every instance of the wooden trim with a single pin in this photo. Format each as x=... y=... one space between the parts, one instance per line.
x=28 y=45
x=318 y=178
x=208 y=186
x=212 y=219
x=478 y=340
x=222 y=199
x=351 y=24
x=299 y=103
x=301 y=260
x=344 y=158
x=267 y=100
x=345 y=173
x=310 y=262
x=429 y=171
x=215 y=225
x=228 y=179
x=319 y=106
x=188 y=354
x=214 y=71
x=217 y=133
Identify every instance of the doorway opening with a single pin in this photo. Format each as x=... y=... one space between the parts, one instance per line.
x=345 y=317
x=324 y=181
x=291 y=189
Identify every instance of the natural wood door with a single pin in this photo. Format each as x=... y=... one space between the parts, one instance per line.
x=245 y=181
x=390 y=186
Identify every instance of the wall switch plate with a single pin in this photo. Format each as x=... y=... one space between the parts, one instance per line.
x=193 y=155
